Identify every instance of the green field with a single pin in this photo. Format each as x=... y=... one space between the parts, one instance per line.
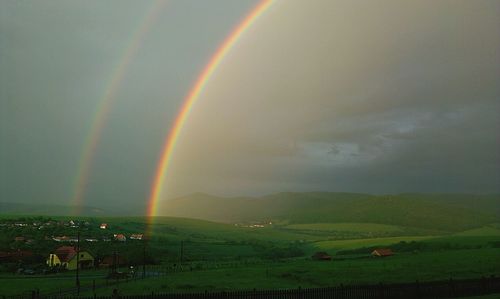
x=490 y=230
x=441 y=212
x=292 y=273
x=332 y=246
x=221 y=256
x=307 y=273
x=19 y=284
x=348 y=227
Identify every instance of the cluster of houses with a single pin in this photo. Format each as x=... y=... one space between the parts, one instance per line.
x=379 y=252
x=70 y=223
x=65 y=257
x=27 y=231
x=44 y=224
x=260 y=224
x=116 y=237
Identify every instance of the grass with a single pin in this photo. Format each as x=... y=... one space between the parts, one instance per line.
x=427 y=266
x=467 y=254
x=17 y=284
x=451 y=213
x=489 y=230
x=348 y=227
x=333 y=246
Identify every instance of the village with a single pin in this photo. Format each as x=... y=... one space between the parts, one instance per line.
x=44 y=245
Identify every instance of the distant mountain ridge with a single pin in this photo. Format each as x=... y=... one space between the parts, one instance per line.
x=11 y=208
x=450 y=212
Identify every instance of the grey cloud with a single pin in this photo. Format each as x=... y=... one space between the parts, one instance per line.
x=403 y=94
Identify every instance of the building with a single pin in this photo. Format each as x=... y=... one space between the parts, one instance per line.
x=61 y=239
x=103 y=226
x=382 y=252
x=321 y=256
x=136 y=236
x=66 y=257
x=120 y=237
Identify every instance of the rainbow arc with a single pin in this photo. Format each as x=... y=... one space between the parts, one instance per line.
x=191 y=98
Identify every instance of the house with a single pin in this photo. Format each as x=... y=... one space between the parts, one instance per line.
x=382 y=252
x=321 y=256
x=66 y=257
x=103 y=226
x=136 y=236
x=61 y=239
x=120 y=237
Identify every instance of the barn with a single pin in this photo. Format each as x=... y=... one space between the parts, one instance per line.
x=382 y=252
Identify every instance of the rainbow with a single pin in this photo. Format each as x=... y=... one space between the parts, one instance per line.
x=104 y=105
x=192 y=96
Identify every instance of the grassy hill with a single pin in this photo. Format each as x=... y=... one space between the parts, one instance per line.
x=433 y=211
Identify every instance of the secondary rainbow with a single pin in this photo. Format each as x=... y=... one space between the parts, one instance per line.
x=104 y=105
x=193 y=95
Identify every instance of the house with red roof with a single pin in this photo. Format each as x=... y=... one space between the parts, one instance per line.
x=382 y=252
x=136 y=236
x=67 y=257
x=120 y=237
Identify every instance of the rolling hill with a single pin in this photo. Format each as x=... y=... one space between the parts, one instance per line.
x=430 y=211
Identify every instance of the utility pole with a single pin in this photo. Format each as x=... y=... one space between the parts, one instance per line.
x=182 y=252
x=113 y=269
x=78 y=263
x=144 y=259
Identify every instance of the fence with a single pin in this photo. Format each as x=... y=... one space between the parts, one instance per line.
x=435 y=289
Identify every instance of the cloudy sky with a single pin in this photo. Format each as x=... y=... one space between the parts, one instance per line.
x=364 y=96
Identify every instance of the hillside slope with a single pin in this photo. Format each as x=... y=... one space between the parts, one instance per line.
x=415 y=210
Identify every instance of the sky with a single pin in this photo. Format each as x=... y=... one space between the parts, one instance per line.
x=321 y=95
